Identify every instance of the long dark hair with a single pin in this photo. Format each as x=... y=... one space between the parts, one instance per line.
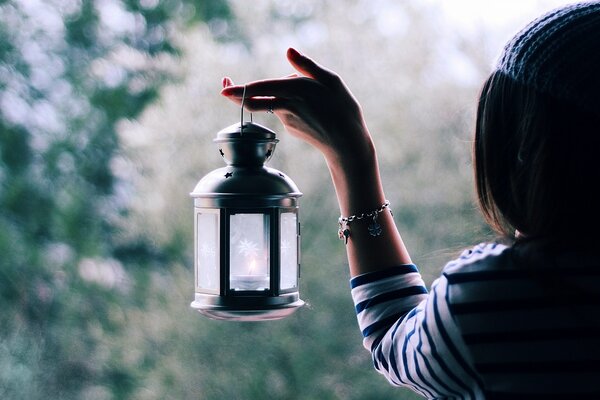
x=537 y=163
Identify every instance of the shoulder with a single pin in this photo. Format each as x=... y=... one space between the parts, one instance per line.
x=483 y=273
x=484 y=256
x=481 y=263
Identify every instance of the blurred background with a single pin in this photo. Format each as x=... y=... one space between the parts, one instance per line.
x=108 y=109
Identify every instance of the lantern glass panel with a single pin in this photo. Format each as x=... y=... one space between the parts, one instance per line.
x=249 y=251
x=289 y=250
x=207 y=251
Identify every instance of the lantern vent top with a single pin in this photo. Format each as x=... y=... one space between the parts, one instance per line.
x=247 y=144
x=246 y=180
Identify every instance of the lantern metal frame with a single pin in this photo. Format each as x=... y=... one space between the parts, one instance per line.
x=246 y=186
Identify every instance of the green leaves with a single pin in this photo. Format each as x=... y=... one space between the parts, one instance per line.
x=69 y=73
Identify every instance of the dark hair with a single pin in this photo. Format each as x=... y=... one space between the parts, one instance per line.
x=537 y=162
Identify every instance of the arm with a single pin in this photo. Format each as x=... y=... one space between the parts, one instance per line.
x=318 y=107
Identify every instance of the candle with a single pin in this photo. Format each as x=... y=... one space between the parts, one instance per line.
x=250 y=281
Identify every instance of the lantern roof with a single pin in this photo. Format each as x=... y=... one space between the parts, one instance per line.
x=246 y=131
x=246 y=181
x=245 y=148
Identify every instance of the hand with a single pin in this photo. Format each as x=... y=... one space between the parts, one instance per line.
x=315 y=106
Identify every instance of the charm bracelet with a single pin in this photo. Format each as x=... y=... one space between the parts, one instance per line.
x=374 y=227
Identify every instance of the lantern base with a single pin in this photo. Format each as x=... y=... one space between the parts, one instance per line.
x=246 y=308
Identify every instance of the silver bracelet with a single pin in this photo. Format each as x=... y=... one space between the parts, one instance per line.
x=374 y=226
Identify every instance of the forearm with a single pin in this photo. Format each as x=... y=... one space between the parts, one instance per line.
x=359 y=189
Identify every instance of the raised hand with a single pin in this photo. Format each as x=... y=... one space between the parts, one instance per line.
x=314 y=105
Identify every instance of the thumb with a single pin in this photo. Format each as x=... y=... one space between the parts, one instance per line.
x=310 y=68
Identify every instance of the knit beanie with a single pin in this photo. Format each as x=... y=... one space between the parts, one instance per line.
x=559 y=54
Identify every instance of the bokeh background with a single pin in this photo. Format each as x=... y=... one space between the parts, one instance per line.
x=108 y=109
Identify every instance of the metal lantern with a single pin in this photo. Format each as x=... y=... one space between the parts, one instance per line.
x=247 y=233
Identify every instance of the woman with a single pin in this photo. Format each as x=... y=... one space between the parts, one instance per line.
x=503 y=321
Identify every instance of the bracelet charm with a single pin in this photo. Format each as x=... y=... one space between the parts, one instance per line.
x=344 y=233
x=374 y=227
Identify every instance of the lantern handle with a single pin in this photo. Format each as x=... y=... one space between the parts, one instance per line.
x=242 y=112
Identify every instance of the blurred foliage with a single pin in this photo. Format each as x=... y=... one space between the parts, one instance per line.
x=69 y=71
x=108 y=111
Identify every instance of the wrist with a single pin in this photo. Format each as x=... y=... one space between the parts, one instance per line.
x=353 y=159
x=357 y=181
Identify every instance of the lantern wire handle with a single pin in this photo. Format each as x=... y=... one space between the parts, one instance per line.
x=242 y=112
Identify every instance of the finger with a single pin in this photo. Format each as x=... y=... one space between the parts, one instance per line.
x=282 y=87
x=227 y=82
x=268 y=104
x=310 y=68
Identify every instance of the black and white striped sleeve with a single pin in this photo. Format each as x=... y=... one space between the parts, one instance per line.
x=411 y=334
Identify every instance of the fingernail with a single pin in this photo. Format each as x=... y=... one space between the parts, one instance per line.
x=295 y=52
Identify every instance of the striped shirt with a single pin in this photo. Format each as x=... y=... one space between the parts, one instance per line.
x=488 y=329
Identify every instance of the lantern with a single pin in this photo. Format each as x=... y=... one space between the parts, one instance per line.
x=247 y=233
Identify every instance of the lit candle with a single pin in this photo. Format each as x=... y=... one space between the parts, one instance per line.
x=250 y=281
